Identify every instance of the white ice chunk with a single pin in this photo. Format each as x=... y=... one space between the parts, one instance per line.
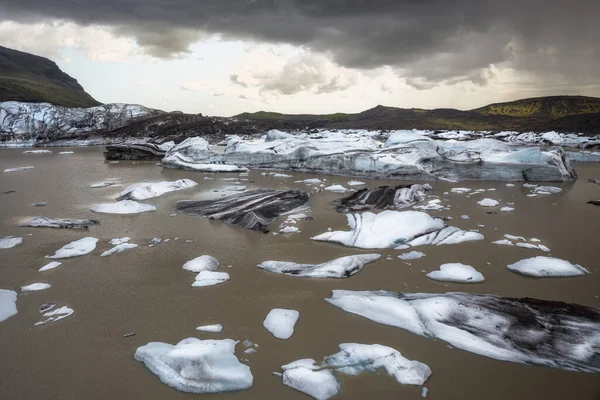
x=145 y=190
x=507 y=209
x=281 y=176
x=487 y=202
x=355 y=183
x=210 y=278
x=202 y=263
x=342 y=267
x=56 y=315
x=513 y=237
x=504 y=242
x=51 y=265
x=8 y=242
x=123 y=207
x=306 y=377
x=312 y=181
x=62 y=153
x=546 y=190
x=460 y=190
x=540 y=267
x=534 y=246
x=289 y=229
x=216 y=328
x=19 y=169
x=77 y=248
x=8 y=304
x=336 y=188
x=197 y=366
x=411 y=255
x=118 y=249
x=35 y=287
x=456 y=272
x=37 y=152
x=281 y=322
x=122 y=240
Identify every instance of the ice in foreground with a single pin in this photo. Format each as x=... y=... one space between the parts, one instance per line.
x=197 y=366
x=123 y=207
x=541 y=267
x=210 y=278
x=527 y=331
x=50 y=266
x=202 y=263
x=320 y=381
x=281 y=322
x=8 y=242
x=77 y=248
x=145 y=190
x=35 y=287
x=456 y=272
x=394 y=229
x=56 y=315
x=210 y=328
x=342 y=267
x=8 y=304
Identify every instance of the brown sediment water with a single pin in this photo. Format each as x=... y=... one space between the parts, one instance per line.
x=145 y=290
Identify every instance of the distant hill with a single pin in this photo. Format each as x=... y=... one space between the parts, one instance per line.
x=561 y=113
x=29 y=78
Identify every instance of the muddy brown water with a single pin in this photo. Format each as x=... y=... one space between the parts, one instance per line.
x=144 y=290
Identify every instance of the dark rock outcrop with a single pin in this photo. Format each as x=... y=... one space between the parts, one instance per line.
x=383 y=198
x=254 y=209
x=47 y=222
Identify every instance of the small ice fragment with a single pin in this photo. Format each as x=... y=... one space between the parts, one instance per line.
x=49 y=266
x=35 y=287
x=487 y=202
x=280 y=322
x=456 y=272
x=216 y=328
x=411 y=255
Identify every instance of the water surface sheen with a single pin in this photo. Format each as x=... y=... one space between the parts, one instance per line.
x=145 y=291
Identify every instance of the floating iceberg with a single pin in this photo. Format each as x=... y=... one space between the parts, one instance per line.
x=193 y=154
x=311 y=181
x=546 y=190
x=210 y=278
x=456 y=272
x=8 y=242
x=356 y=183
x=119 y=249
x=202 y=263
x=8 y=304
x=487 y=202
x=281 y=322
x=254 y=209
x=411 y=255
x=527 y=331
x=77 y=248
x=210 y=328
x=541 y=267
x=47 y=222
x=321 y=383
x=118 y=241
x=34 y=287
x=56 y=315
x=37 y=152
x=289 y=229
x=395 y=229
x=336 y=188
x=50 y=266
x=18 y=169
x=143 y=191
x=342 y=267
x=123 y=207
x=197 y=366
x=384 y=198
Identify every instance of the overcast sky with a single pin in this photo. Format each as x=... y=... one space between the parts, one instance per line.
x=222 y=57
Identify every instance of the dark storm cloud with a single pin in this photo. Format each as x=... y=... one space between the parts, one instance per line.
x=426 y=41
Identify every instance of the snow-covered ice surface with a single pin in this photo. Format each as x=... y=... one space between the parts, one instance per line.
x=56 y=315
x=342 y=267
x=119 y=249
x=77 y=248
x=146 y=190
x=281 y=322
x=210 y=278
x=321 y=382
x=527 y=331
x=542 y=267
x=202 y=263
x=216 y=328
x=123 y=207
x=405 y=155
x=35 y=287
x=197 y=366
x=8 y=242
x=487 y=202
x=50 y=266
x=392 y=229
x=411 y=255
x=8 y=304
x=17 y=169
x=456 y=272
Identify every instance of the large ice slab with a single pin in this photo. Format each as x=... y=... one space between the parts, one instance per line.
x=528 y=331
x=394 y=229
x=8 y=242
x=146 y=190
x=47 y=222
x=342 y=267
x=197 y=366
x=123 y=207
x=456 y=272
x=254 y=209
x=541 y=267
x=281 y=322
x=320 y=381
x=405 y=156
x=77 y=248
x=384 y=198
x=8 y=304
x=193 y=154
